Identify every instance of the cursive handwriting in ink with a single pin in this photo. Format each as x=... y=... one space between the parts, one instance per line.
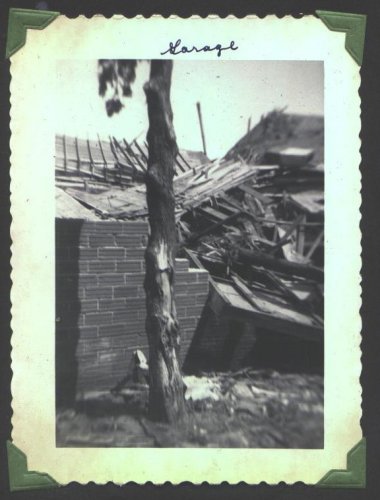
x=175 y=48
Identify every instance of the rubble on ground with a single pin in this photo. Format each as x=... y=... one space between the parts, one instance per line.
x=248 y=408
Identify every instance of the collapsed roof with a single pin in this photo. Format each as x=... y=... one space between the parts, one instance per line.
x=254 y=219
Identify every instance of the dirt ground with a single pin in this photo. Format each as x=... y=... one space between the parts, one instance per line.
x=247 y=409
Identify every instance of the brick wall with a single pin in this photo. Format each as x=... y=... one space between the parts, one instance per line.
x=100 y=302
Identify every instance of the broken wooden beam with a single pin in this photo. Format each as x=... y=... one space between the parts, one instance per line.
x=245 y=291
x=259 y=259
x=253 y=192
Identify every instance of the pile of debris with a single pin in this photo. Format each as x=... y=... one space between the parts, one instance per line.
x=260 y=231
x=254 y=219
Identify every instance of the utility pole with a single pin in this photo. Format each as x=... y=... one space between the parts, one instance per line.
x=249 y=124
x=201 y=126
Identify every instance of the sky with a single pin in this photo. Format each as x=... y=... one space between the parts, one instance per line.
x=230 y=92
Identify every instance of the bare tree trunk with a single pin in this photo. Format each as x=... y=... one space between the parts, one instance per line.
x=166 y=394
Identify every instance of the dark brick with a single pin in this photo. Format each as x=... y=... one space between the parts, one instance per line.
x=181 y=311
x=130 y=241
x=136 y=328
x=202 y=277
x=186 y=277
x=71 y=267
x=135 y=227
x=88 y=332
x=88 y=227
x=101 y=240
x=103 y=227
x=181 y=265
x=110 y=330
x=111 y=279
x=125 y=342
x=120 y=341
x=80 y=350
x=185 y=300
x=88 y=305
x=126 y=291
x=202 y=298
x=184 y=347
x=99 y=293
x=87 y=280
x=133 y=342
x=196 y=288
x=83 y=266
x=84 y=253
x=111 y=253
x=187 y=322
x=83 y=240
x=134 y=278
x=98 y=318
x=88 y=361
x=187 y=334
x=86 y=346
x=112 y=305
x=125 y=316
x=136 y=343
x=101 y=266
x=195 y=311
x=66 y=225
x=141 y=314
x=135 y=253
x=135 y=304
x=180 y=288
x=129 y=267
x=141 y=292
x=71 y=239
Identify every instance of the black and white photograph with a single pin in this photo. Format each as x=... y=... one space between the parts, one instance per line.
x=189 y=254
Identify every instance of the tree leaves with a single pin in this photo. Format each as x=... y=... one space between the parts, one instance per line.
x=115 y=77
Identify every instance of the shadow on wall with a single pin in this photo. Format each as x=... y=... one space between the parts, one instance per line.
x=222 y=342
x=68 y=309
x=225 y=341
x=203 y=354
